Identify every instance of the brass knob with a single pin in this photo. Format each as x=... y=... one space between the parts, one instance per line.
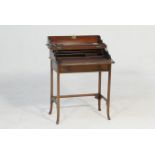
x=73 y=37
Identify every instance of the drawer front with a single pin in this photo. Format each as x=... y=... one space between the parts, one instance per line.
x=84 y=68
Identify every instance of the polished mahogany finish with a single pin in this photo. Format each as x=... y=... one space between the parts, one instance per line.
x=72 y=54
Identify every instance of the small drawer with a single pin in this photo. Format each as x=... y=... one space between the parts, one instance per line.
x=84 y=68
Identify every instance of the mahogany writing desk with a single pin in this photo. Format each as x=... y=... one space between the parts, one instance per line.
x=72 y=54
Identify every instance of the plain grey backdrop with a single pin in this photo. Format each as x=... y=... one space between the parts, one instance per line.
x=24 y=79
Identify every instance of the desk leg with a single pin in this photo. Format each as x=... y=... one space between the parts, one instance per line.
x=108 y=93
x=58 y=97
x=99 y=91
x=51 y=89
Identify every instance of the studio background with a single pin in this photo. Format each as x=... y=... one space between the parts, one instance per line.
x=24 y=79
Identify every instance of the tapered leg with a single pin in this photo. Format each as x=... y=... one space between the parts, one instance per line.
x=58 y=97
x=99 y=91
x=51 y=89
x=108 y=94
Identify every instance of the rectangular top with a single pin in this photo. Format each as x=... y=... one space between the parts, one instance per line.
x=75 y=42
x=76 y=50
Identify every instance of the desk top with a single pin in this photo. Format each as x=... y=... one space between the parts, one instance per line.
x=78 y=51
